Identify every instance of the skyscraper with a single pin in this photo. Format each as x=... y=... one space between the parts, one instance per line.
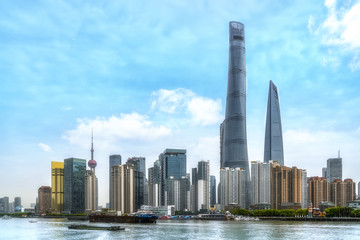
x=286 y=187
x=260 y=182
x=342 y=192
x=234 y=153
x=273 y=149
x=57 y=187
x=140 y=180
x=114 y=160
x=122 y=192
x=232 y=181
x=44 y=198
x=74 y=185
x=334 y=169
x=91 y=183
x=318 y=191
x=154 y=184
x=200 y=188
x=212 y=191
x=17 y=204
x=172 y=164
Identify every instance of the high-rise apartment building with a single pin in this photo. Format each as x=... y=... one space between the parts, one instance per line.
x=286 y=187
x=334 y=169
x=172 y=164
x=74 y=185
x=318 y=190
x=304 y=189
x=342 y=192
x=233 y=184
x=44 y=199
x=260 y=182
x=140 y=180
x=212 y=191
x=234 y=153
x=273 y=149
x=122 y=192
x=114 y=160
x=57 y=187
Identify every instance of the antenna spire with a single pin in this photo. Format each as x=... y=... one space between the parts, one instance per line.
x=92 y=145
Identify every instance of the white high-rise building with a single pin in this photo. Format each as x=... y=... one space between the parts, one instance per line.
x=260 y=182
x=233 y=187
x=203 y=185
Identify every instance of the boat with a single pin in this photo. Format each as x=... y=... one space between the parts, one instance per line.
x=212 y=217
x=6 y=217
x=139 y=218
x=32 y=221
x=90 y=227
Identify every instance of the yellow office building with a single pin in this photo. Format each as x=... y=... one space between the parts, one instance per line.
x=57 y=185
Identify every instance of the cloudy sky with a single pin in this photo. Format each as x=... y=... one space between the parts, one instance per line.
x=151 y=75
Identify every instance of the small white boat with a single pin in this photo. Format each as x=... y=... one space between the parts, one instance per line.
x=32 y=221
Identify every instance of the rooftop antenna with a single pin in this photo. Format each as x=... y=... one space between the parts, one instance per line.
x=339 y=153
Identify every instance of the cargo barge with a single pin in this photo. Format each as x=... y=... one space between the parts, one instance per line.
x=140 y=218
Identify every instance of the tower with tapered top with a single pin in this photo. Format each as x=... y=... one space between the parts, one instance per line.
x=91 y=183
x=234 y=153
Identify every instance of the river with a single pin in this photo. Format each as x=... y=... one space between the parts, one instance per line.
x=21 y=228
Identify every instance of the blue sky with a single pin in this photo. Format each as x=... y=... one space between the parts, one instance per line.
x=150 y=75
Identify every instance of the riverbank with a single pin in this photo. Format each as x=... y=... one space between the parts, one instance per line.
x=313 y=219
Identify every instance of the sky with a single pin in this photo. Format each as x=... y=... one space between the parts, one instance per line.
x=151 y=75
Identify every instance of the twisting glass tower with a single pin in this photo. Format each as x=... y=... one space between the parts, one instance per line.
x=234 y=153
x=273 y=149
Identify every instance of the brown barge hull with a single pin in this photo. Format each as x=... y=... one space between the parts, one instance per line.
x=121 y=219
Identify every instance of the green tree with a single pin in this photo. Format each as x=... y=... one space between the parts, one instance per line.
x=301 y=212
x=338 y=212
x=287 y=212
x=240 y=212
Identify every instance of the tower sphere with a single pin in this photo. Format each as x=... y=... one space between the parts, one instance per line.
x=92 y=163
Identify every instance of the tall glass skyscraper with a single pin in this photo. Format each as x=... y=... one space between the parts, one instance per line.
x=173 y=165
x=273 y=149
x=114 y=160
x=234 y=153
x=212 y=191
x=57 y=187
x=74 y=185
x=140 y=180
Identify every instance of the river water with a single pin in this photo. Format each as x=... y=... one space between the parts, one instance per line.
x=21 y=228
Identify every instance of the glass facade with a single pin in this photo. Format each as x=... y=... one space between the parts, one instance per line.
x=273 y=149
x=114 y=160
x=57 y=186
x=173 y=164
x=74 y=187
x=140 y=180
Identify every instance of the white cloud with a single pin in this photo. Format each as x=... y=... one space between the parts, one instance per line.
x=202 y=110
x=171 y=101
x=341 y=27
x=45 y=147
x=205 y=111
x=125 y=127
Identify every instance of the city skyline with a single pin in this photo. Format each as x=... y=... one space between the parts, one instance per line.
x=67 y=68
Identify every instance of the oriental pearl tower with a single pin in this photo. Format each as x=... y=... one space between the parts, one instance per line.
x=92 y=163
